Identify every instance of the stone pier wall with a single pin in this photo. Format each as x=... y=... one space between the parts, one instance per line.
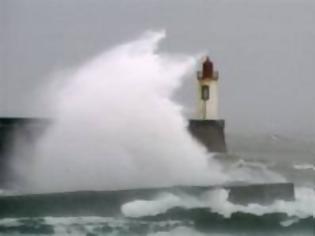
x=210 y=133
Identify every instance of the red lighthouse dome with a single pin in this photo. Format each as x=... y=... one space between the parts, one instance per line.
x=207 y=69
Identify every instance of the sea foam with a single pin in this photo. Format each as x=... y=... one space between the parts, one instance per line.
x=217 y=201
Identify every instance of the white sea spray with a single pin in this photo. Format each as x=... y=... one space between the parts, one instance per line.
x=304 y=166
x=116 y=126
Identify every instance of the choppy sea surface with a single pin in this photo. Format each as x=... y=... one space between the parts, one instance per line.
x=207 y=214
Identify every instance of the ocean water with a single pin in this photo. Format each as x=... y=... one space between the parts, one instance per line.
x=169 y=213
x=87 y=148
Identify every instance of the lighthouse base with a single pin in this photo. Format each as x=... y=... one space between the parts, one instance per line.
x=210 y=133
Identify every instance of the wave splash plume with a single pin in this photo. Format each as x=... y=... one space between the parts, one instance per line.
x=115 y=126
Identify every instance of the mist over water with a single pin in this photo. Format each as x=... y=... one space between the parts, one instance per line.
x=115 y=126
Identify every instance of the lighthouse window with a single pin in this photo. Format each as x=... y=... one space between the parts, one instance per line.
x=205 y=92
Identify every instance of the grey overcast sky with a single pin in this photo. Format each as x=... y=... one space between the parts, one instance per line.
x=264 y=50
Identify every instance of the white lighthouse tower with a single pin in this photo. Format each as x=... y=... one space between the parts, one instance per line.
x=207 y=128
x=207 y=92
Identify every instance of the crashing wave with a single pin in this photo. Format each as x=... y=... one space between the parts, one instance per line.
x=217 y=201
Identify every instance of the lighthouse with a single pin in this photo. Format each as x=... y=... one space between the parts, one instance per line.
x=207 y=92
x=207 y=128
